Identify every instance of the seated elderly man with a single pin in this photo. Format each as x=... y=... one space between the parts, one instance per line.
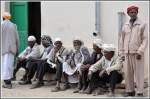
x=107 y=70
x=95 y=56
x=80 y=56
x=32 y=51
x=56 y=58
x=35 y=64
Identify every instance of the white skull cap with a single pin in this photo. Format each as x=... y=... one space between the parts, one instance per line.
x=98 y=42
x=31 y=38
x=108 y=47
x=57 y=39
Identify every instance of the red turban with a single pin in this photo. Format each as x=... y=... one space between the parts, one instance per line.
x=132 y=7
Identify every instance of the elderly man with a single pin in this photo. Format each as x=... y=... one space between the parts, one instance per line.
x=80 y=56
x=56 y=58
x=106 y=70
x=31 y=52
x=10 y=46
x=35 y=64
x=133 y=42
x=95 y=56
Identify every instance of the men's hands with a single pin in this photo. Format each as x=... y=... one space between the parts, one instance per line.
x=85 y=67
x=123 y=58
x=53 y=65
x=102 y=72
x=138 y=56
x=72 y=66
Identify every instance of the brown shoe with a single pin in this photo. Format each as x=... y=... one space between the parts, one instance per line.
x=37 y=85
x=129 y=94
x=25 y=82
x=65 y=87
x=88 y=91
x=56 y=89
x=139 y=95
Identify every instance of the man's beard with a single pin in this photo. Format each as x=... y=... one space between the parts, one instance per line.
x=77 y=48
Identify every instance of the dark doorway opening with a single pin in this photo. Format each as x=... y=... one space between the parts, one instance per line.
x=34 y=20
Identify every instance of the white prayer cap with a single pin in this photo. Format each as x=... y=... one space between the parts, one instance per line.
x=108 y=47
x=6 y=15
x=79 y=39
x=57 y=39
x=31 y=38
x=98 y=42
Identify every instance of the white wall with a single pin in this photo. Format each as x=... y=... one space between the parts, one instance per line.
x=109 y=21
x=67 y=19
x=4 y=7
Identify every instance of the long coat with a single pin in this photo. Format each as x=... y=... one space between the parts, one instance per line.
x=10 y=39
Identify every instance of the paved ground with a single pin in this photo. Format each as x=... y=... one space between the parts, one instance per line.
x=45 y=91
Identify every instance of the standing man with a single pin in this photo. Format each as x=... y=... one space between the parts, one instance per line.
x=133 y=42
x=10 y=45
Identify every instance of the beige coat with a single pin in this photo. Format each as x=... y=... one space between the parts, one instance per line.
x=133 y=39
x=116 y=64
x=10 y=39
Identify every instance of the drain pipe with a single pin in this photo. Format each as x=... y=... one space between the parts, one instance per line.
x=97 y=20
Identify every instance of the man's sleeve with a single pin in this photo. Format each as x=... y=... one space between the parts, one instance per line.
x=144 y=38
x=97 y=65
x=85 y=55
x=51 y=55
x=22 y=54
x=35 y=53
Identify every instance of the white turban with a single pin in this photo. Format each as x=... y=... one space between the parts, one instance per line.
x=57 y=39
x=31 y=38
x=108 y=47
x=98 y=42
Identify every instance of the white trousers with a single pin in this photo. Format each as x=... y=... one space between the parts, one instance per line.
x=70 y=72
x=134 y=67
x=7 y=66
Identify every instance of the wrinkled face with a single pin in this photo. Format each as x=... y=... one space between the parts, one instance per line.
x=133 y=14
x=58 y=44
x=45 y=44
x=108 y=55
x=96 y=48
x=31 y=43
x=77 y=44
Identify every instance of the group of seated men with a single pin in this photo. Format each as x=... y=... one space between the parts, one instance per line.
x=101 y=68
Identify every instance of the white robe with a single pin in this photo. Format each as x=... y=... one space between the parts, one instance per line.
x=70 y=71
x=7 y=66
